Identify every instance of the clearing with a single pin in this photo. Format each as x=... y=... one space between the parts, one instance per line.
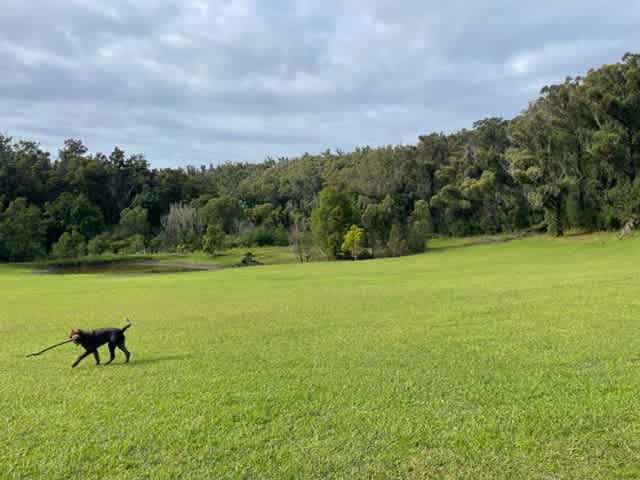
x=502 y=360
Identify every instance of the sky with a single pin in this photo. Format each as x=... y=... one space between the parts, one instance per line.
x=196 y=82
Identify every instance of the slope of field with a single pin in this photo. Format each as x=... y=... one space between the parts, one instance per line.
x=504 y=360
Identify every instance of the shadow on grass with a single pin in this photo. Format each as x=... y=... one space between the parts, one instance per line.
x=155 y=359
x=483 y=241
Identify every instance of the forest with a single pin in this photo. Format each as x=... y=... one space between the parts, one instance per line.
x=570 y=161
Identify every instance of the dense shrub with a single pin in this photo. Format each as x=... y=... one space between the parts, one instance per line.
x=70 y=245
x=263 y=236
x=213 y=240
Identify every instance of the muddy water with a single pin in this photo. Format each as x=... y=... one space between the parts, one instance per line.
x=137 y=267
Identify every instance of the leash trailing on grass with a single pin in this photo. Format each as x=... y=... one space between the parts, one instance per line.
x=49 y=348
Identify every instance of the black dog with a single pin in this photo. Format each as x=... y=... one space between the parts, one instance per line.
x=93 y=339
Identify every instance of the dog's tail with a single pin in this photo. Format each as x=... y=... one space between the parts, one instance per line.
x=127 y=325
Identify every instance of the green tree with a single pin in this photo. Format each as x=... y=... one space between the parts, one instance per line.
x=224 y=211
x=353 y=242
x=260 y=213
x=625 y=198
x=70 y=245
x=420 y=227
x=99 y=245
x=22 y=232
x=397 y=244
x=133 y=244
x=129 y=177
x=331 y=220
x=377 y=219
x=213 y=240
x=133 y=221
x=74 y=212
x=539 y=165
x=25 y=171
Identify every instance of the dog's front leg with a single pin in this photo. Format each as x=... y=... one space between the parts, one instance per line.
x=80 y=357
x=97 y=355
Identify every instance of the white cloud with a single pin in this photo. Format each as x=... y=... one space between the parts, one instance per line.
x=206 y=81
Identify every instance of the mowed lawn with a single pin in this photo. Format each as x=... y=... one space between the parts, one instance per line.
x=506 y=360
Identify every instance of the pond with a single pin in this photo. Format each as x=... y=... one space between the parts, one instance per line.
x=126 y=267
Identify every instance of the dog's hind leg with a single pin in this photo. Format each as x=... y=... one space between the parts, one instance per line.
x=112 y=352
x=122 y=347
x=80 y=357
x=97 y=355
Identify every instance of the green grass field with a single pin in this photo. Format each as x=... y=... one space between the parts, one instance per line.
x=506 y=360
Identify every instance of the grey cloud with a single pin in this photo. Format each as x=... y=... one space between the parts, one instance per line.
x=207 y=81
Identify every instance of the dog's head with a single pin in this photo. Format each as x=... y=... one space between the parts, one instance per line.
x=75 y=335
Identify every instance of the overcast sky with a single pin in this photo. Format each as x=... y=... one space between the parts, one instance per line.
x=199 y=82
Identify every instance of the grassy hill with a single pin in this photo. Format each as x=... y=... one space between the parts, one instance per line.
x=501 y=360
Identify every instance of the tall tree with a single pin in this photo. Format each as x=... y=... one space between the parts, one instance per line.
x=378 y=218
x=133 y=221
x=71 y=212
x=420 y=227
x=331 y=220
x=22 y=232
x=224 y=211
x=538 y=162
x=213 y=240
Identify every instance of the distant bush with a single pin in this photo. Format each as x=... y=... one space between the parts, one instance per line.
x=22 y=232
x=420 y=227
x=263 y=236
x=106 y=243
x=397 y=244
x=133 y=244
x=133 y=221
x=213 y=240
x=99 y=245
x=223 y=211
x=70 y=245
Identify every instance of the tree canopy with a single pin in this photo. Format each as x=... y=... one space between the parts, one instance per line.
x=570 y=160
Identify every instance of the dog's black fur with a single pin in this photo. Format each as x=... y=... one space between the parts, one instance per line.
x=92 y=339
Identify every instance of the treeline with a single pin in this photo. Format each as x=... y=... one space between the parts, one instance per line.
x=569 y=161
